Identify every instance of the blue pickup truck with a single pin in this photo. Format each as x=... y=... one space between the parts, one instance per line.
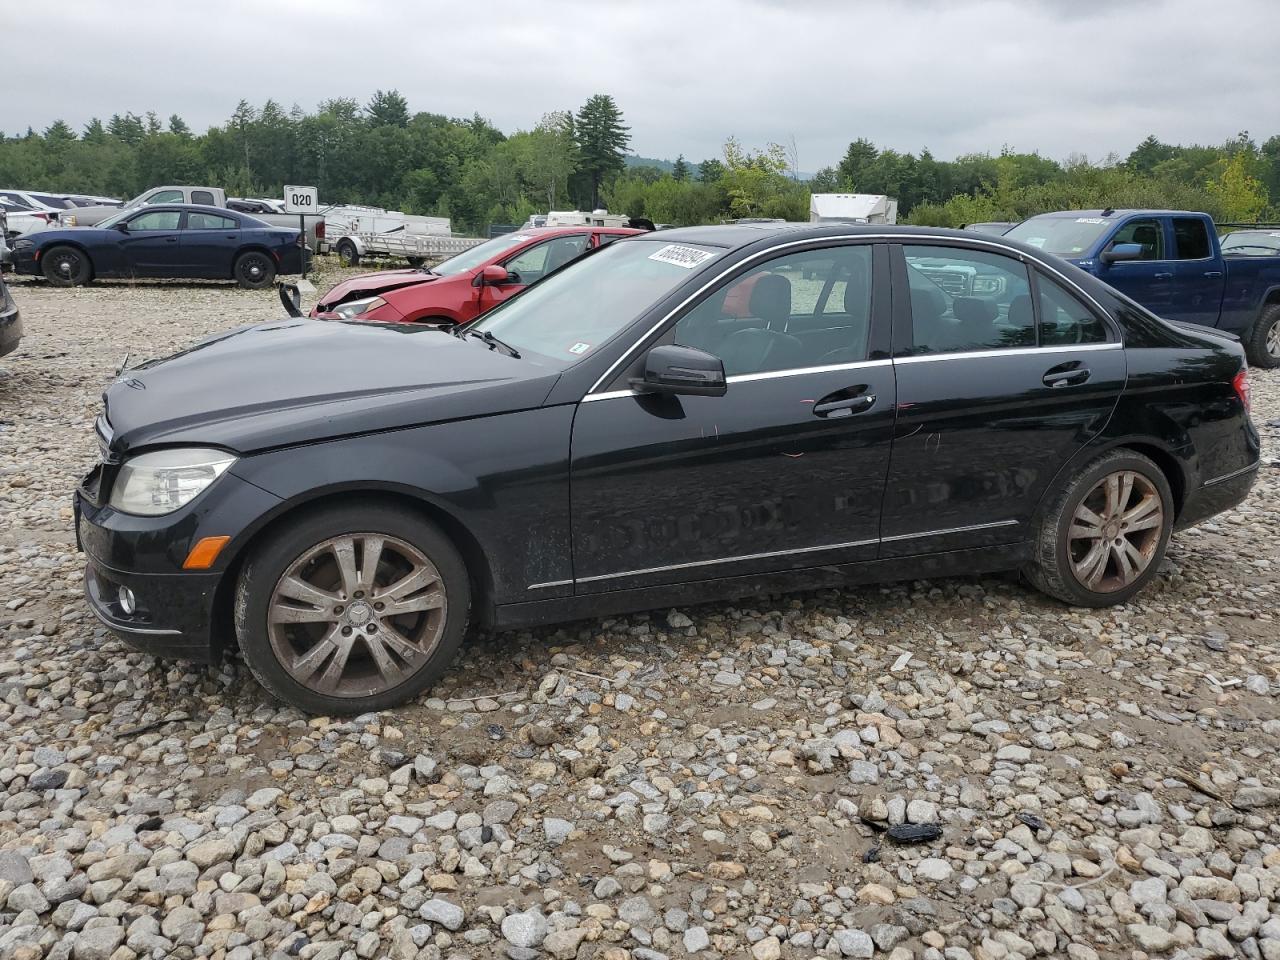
x=1171 y=262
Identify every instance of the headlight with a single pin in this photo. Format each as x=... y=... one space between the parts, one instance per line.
x=356 y=308
x=23 y=244
x=152 y=484
x=67 y=219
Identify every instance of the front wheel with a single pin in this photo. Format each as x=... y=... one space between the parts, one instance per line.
x=1264 y=343
x=254 y=270
x=348 y=255
x=1102 y=538
x=66 y=266
x=352 y=609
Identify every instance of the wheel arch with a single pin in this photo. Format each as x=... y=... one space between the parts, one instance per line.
x=478 y=570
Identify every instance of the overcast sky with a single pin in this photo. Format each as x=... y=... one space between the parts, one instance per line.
x=1058 y=76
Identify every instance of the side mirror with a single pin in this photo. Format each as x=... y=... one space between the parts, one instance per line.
x=493 y=275
x=674 y=370
x=120 y=225
x=1122 y=251
x=291 y=299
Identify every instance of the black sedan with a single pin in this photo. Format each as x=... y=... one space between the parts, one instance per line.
x=178 y=240
x=677 y=417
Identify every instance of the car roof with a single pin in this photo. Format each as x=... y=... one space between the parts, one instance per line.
x=736 y=235
x=1116 y=214
x=571 y=229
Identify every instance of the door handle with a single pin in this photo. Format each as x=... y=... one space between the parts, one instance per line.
x=170 y=239
x=839 y=405
x=1162 y=276
x=1069 y=374
x=1213 y=273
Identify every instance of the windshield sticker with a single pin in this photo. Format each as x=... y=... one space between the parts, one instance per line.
x=1036 y=242
x=520 y=237
x=680 y=256
x=1090 y=220
x=1276 y=234
x=580 y=347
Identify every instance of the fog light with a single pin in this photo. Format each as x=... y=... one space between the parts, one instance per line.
x=127 y=601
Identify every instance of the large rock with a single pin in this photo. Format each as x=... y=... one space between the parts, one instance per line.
x=448 y=915
x=527 y=929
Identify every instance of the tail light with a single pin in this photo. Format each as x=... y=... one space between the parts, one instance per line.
x=1241 y=386
x=301 y=241
x=41 y=216
x=319 y=229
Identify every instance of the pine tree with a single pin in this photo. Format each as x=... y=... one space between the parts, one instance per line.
x=710 y=171
x=94 y=131
x=602 y=141
x=178 y=127
x=59 y=131
x=681 y=169
x=388 y=109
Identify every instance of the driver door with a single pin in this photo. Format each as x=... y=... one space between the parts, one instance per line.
x=784 y=471
x=152 y=247
x=532 y=264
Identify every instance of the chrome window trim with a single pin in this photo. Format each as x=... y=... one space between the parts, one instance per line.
x=1233 y=474
x=1011 y=352
x=748 y=377
x=904 y=238
x=777 y=553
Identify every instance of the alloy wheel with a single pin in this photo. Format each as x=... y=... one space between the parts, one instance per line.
x=1273 y=341
x=1115 y=531
x=357 y=615
x=66 y=265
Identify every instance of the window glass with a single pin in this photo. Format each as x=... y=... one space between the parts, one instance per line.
x=967 y=300
x=1191 y=238
x=17 y=201
x=202 y=196
x=57 y=203
x=1064 y=319
x=209 y=221
x=156 y=220
x=537 y=262
x=805 y=309
x=610 y=237
x=1148 y=234
x=165 y=196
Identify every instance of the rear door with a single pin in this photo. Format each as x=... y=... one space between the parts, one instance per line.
x=1003 y=373
x=1200 y=277
x=209 y=244
x=151 y=247
x=784 y=471
x=1148 y=280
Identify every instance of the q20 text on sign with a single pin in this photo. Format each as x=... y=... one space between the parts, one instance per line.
x=301 y=199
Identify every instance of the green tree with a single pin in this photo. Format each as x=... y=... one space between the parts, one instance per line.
x=602 y=142
x=853 y=166
x=94 y=132
x=1239 y=194
x=388 y=109
x=178 y=127
x=58 y=131
x=710 y=171
x=680 y=172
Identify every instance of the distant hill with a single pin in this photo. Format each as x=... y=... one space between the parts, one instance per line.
x=666 y=166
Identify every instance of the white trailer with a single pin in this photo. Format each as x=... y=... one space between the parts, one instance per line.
x=356 y=232
x=579 y=218
x=852 y=208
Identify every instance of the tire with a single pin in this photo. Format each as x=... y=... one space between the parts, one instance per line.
x=307 y=550
x=66 y=266
x=254 y=270
x=348 y=255
x=1064 y=561
x=1263 y=346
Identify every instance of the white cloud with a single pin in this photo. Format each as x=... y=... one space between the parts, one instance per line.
x=1054 y=75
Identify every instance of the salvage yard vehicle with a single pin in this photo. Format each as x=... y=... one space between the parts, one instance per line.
x=201 y=196
x=678 y=417
x=464 y=286
x=164 y=241
x=1172 y=263
x=10 y=322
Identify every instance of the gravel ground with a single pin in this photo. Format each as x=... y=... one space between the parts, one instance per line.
x=709 y=782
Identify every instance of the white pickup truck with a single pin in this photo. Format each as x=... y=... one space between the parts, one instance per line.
x=209 y=196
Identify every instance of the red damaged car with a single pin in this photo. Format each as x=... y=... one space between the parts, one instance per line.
x=463 y=287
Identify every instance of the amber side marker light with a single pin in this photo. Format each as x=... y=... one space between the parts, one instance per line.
x=204 y=553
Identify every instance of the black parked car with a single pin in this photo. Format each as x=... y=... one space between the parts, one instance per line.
x=703 y=413
x=10 y=322
x=174 y=240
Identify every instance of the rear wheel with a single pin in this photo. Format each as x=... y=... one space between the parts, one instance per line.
x=352 y=609
x=254 y=270
x=1103 y=537
x=1264 y=341
x=348 y=255
x=66 y=266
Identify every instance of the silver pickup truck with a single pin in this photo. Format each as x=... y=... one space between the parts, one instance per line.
x=209 y=196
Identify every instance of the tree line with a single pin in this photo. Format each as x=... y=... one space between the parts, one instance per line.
x=381 y=154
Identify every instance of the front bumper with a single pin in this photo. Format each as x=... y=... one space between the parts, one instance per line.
x=183 y=614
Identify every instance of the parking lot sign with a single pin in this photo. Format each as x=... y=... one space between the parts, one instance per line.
x=301 y=199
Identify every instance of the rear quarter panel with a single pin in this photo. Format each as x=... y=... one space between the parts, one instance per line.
x=1251 y=283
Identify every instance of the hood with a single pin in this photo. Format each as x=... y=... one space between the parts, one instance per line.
x=368 y=284
x=88 y=216
x=300 y=381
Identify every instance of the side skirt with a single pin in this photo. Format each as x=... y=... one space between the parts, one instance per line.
x=953 y=563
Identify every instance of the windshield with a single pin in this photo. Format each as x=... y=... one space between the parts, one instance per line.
x=113 y=218
x=470 y=259
x=1065 y=236
x=1252 y=243
x=578 y=309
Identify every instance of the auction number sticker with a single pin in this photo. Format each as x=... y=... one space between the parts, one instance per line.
x=580 y=347
x=1090 y=220
x=681 y=256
